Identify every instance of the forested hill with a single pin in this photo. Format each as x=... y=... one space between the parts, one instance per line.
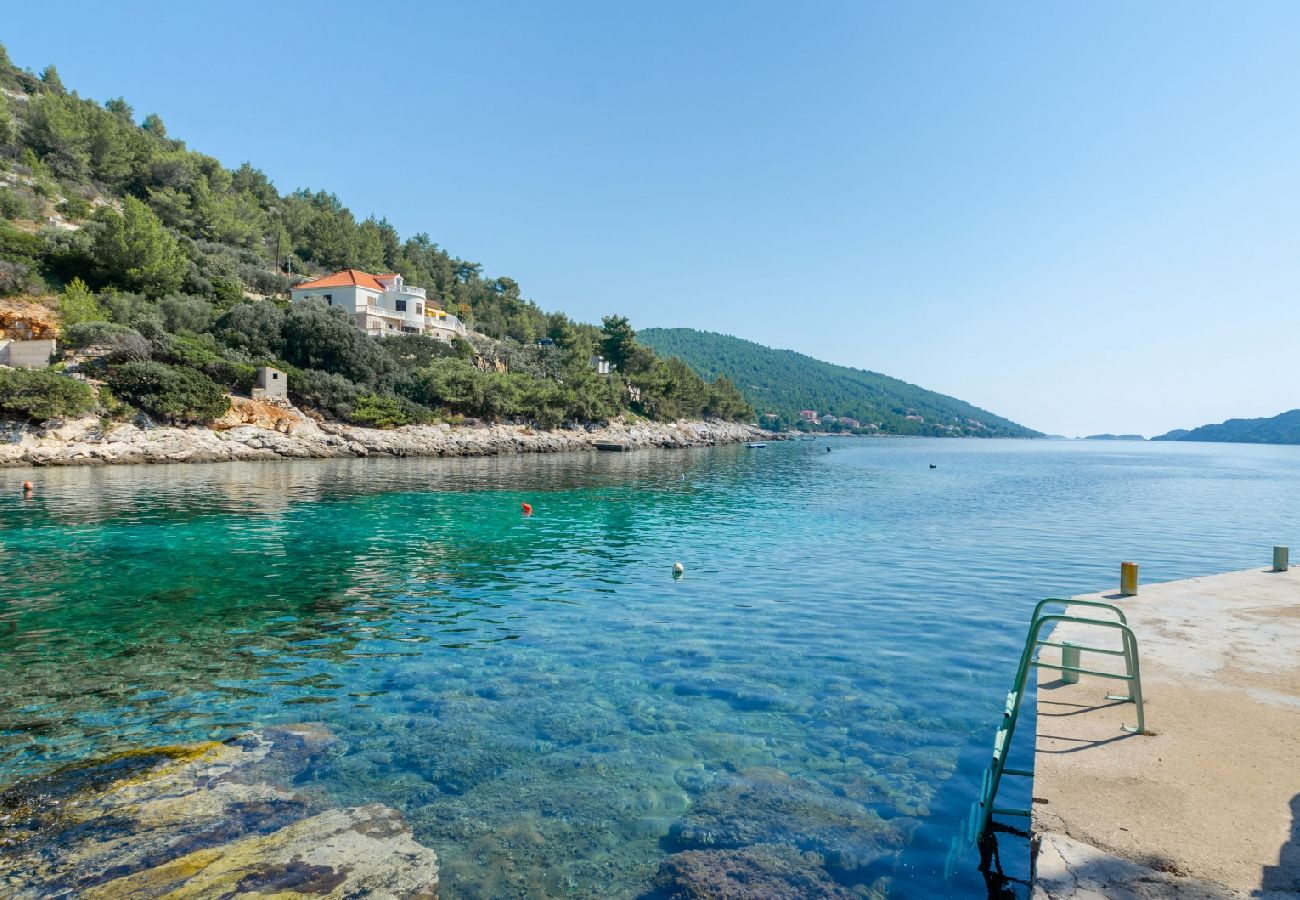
x=783 y=382
x=165 y=277
x=1283 y=428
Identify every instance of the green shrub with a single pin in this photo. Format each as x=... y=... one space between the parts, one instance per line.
x=112 y=408
x=323 y=391
x=37 y=395
x=75 y=208
x=202 y=352
x=13 y=206
x=169 y=392
x=374 y=411
x=78 y=304
x=94 y=334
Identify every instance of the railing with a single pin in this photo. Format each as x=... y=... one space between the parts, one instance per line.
x=979 y=821
x=406 y=289
x=446 y=320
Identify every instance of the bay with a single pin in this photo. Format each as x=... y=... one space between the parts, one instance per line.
x=552 y=710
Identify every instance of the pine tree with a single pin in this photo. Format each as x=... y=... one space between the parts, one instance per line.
x=137 y=252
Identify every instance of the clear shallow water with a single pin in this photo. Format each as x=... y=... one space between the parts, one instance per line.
x=539 y=696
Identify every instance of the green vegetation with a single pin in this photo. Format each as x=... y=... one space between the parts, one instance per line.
x=38 y=396
x=171 y=273
x=169 y=392
x=1283 y=428
x=780 y=383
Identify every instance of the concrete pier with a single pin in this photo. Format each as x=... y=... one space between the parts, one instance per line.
x=1207 y=803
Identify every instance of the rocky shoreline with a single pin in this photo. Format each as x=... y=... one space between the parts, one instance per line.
x=204 y=820
x=255 y=430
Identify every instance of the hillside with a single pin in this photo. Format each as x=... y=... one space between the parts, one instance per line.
x=780 y=383
x=165 y=276
x=1283 y=428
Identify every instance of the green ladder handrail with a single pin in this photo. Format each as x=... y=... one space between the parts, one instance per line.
x=983 y=810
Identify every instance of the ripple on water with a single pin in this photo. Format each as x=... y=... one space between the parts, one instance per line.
x=552 y=711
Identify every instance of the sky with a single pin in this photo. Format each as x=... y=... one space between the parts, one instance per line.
x=1081 y=216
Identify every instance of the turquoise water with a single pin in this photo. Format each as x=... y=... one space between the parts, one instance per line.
x=539 y=696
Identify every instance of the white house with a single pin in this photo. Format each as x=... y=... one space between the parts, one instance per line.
x=381 y=304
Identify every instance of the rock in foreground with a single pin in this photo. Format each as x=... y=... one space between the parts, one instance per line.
x=205 y=820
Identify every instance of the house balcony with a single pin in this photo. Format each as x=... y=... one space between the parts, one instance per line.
x=443 y=320
x=407 y=290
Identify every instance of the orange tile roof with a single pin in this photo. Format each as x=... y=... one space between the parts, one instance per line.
x=343 y=278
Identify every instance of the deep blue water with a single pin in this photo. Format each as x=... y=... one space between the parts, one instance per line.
x=540 y=696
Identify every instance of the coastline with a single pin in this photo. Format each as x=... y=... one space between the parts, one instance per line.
x=258 y=431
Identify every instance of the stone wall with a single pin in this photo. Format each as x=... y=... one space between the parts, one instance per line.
x=26 y=354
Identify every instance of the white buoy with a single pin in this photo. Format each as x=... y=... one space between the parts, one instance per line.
x=678 y=568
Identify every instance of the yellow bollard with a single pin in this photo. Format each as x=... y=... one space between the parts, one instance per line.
x=1128 y=579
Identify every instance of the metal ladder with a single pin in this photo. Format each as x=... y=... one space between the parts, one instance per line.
x=980 y=820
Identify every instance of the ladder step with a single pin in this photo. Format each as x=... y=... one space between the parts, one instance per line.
x=999 y=745
x=1011 y=703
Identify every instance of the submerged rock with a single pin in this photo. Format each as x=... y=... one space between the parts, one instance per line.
x=363 y=851
x=771 y=871
x=203 y=820
x=766 y=806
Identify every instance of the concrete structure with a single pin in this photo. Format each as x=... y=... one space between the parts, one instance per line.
x=272 y=384
x=601 y=365
x=381 y=304
x=1207 y=803
x=26 y=354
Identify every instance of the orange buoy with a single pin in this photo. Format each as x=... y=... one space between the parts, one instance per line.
x=27 y=487
x=527 y=508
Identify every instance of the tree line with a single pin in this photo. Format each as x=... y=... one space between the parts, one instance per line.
x=173 y=271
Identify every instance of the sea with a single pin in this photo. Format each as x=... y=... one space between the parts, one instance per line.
x=554 y=710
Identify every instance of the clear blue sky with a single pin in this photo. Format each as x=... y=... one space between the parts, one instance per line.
x=1083 y=216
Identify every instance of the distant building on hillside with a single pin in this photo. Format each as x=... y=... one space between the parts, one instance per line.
x=850 y=423
x=381 y=304
x=271 y=384
x=808 y=415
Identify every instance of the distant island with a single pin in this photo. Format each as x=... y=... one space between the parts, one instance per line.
x=1114 y=437
x=1283 y=428
x=791 y=390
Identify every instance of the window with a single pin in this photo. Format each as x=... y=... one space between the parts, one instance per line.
x=419 y=310
x=401 y=306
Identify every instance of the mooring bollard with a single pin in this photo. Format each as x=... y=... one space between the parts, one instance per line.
x=1070 y=657
x=1281 y=559
x=1128 y=579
